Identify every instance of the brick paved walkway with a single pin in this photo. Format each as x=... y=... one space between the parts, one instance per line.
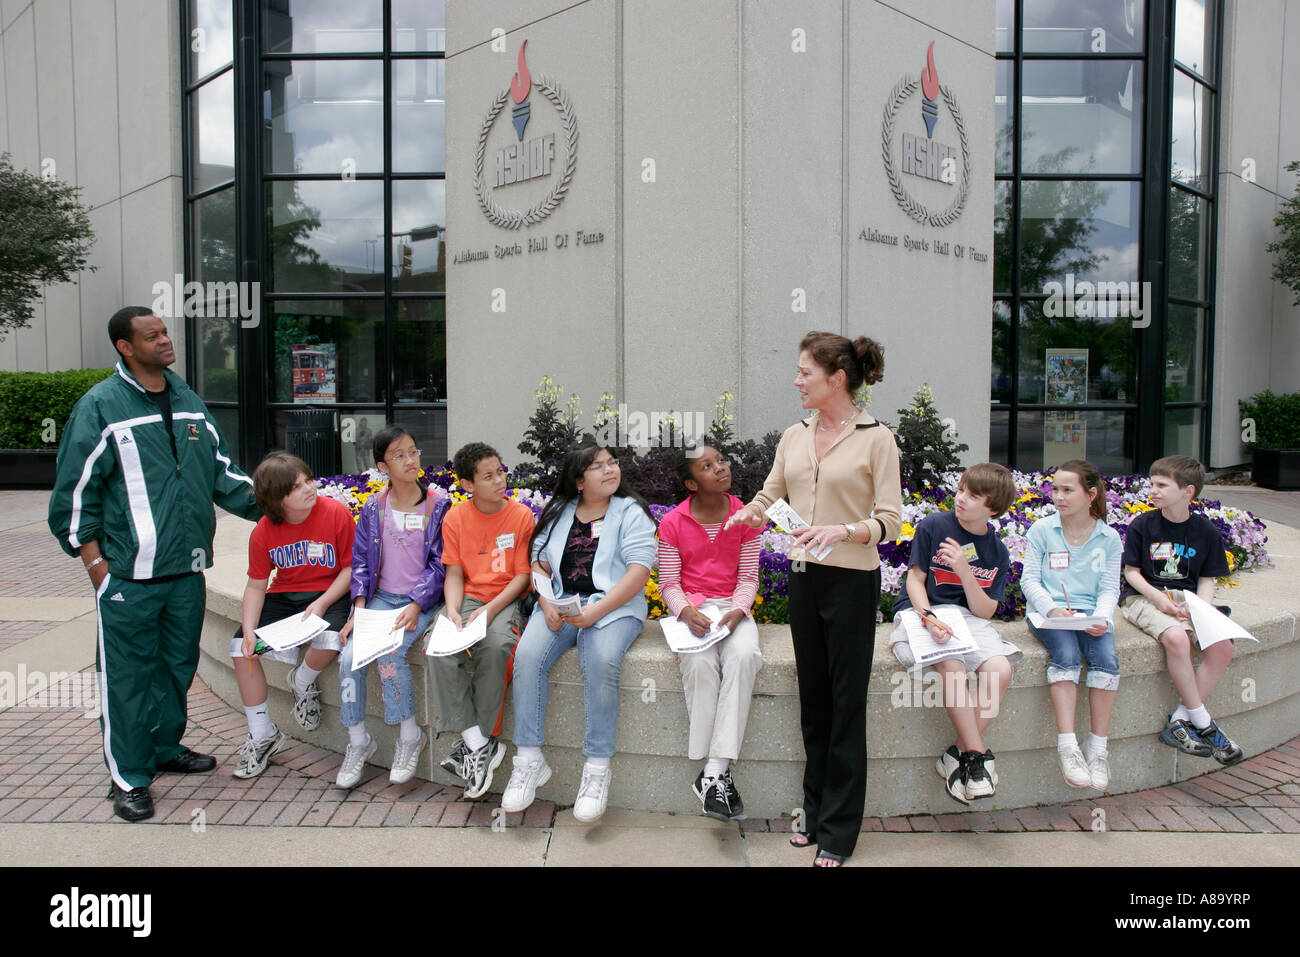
x=52 y=769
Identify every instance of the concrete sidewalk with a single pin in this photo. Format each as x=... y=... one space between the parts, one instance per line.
x=53 y=810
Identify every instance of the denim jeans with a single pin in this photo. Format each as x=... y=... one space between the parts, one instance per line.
x=394 y=671
x=1067 y=651
x=600 y=656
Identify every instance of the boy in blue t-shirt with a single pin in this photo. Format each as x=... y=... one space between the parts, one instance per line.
x=958 y=560
x=1173 y=549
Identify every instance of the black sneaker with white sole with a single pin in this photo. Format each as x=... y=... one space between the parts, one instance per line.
x=978 y=783
x=717 y=801
x=733 y=796
x=955 y=782
x=479 y=767
x=454 y=763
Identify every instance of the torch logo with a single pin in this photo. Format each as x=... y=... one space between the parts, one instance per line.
x=526 y=160
x=921 y=155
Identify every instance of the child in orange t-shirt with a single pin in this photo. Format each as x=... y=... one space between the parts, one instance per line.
x=485 y=551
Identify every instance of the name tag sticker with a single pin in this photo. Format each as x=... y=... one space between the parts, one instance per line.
x=1058 y=560
x=414 y=521
x=596 y=526
x=315 y=550
x=506 y=540
x=1162 y=550
x=970 y=551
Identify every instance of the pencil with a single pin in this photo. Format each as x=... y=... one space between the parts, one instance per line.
x=1067 y=600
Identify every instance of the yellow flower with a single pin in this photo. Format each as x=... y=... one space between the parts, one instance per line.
x=906 y=533
x=758 y=600
x=1232 y=562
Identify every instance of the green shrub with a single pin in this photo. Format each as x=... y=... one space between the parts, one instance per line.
x=927 y=445
x=1276 y=420
x=31 y=401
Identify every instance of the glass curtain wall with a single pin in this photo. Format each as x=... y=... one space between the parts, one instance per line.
x=342 y=209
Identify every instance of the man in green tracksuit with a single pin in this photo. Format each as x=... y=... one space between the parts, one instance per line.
x=140 y=464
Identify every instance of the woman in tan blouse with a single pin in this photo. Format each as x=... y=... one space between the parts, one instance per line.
x=838 y=469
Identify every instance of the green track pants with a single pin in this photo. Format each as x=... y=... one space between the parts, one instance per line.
x=147 y=654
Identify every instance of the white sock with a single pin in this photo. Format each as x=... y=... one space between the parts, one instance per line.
x=303 y=676
x=716 y=767
x=259 y=721
x=410 y=731
x=598 y=762
x=474 y=739
x=1199 y=717
x=1181 y=714
x=357 y=734
x=1097 y=744
x=527 y=755
x=1066 y=741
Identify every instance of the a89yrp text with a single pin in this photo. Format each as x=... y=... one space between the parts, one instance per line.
x=1184 y=899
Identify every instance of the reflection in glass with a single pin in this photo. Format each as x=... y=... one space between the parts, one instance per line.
x=1002 y=255
x=1000 y=437
x=328 y=351
x=419 y=25
x=1083 y=26
x=322 y=26
x=1085 y=229
x=1183 y=432
x=1192 y=40
x=428 y=426
x=419 y=116
x=1101 y=366
x=1081 y=116
x=228 y=423
x=1046 y=439
x=420 y=350
x=326 y=116
x=1184 y=349
x=1000 y=387
x=1188 y=243
x=218 y=377
x=212 y=219
x=211 y=38
x=1003 y=121
x=1005 y=30
x=419 y=235
x=326 y=235
x=1189 y=148
x=212 y=132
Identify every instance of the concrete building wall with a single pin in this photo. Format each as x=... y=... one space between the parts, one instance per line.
x=731 y=155
x=1257 y=330
x=90 y=89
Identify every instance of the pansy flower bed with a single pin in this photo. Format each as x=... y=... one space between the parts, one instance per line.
x=1244 y=535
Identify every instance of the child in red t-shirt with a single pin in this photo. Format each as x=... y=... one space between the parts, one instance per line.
x=307 y=541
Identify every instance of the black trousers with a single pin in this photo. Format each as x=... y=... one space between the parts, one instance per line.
x=833 y=623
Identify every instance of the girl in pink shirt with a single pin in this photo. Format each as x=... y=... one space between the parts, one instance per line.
x=701 y=567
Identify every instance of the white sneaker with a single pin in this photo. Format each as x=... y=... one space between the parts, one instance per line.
x=354 y=762
x=1098 y=767
x=306 y=704
x=405 y=758
x=1073 y=768
x=593 y=793
x=525 y=779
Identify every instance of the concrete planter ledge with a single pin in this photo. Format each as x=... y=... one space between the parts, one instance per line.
x=1258 y=703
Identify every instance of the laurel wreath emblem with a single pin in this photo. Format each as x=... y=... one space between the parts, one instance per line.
x=513 y=218
x=917 y=210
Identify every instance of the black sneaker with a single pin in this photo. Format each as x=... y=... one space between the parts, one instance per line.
x=454 y=763
x=700 y=785
x=733 y=796
x=1181 y=736
x=955 y=782
x=717 y=800
x=133 y=805
x=1222 y=748
x=978 y=782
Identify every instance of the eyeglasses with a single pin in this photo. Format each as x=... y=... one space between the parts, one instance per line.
x=602 y=466
x=411 y=454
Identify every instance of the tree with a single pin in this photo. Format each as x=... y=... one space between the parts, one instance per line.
x=45 y=237
x=1286 y=268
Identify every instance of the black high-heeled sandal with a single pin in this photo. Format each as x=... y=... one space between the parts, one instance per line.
x=826 y=858
x=800 y=839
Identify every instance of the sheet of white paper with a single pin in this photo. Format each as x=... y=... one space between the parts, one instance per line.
x=924 y=648
x=1210 y=624
x=445 y=639
x=292 y=631
x=682 y=640
x=373 y=635
x=788 y=519
x=565 y=606
x=1077 y=622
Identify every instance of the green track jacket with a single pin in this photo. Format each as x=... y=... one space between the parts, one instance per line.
x=145 y=496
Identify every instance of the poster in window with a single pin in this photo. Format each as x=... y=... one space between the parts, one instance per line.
x=1066 y=376
x=314 y=372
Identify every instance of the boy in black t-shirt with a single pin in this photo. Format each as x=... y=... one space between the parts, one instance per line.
x=957 y=559
x=1170 y=549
